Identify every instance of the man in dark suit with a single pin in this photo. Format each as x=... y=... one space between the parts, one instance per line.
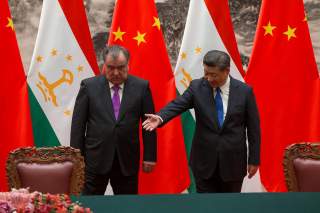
x=226 y=115
x=105 y=127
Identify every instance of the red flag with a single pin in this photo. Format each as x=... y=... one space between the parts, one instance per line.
x=15 y=125
x=137 y=27
x=284 y=75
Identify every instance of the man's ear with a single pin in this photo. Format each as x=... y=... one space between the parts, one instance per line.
x=103 y=71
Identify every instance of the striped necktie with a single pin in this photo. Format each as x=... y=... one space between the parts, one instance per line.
x=116 y=100
x=219 y=106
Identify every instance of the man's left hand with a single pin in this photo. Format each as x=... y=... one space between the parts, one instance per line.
x=252 y=170
x=148 y=167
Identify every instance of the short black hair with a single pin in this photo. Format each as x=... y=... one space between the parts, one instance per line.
x=217 y=58
x=115 y=50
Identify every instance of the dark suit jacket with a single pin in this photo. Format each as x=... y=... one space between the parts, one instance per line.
x=226 y=145
x=97 y=133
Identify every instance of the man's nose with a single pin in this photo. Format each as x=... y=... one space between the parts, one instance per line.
x=116 y=71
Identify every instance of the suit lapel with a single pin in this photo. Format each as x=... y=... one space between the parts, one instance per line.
x=107 y=97
x=231 y=100
x=212 y=107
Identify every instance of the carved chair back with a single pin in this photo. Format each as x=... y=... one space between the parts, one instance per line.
x=301 y=166
x=48 y=170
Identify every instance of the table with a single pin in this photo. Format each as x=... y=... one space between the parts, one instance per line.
x=196 y=203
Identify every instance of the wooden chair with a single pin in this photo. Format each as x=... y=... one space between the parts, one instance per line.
x=302 y=167
x=48 y=170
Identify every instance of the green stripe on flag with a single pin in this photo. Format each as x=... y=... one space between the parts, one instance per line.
x=188 y=126
x=43 y=133
x=188 y=130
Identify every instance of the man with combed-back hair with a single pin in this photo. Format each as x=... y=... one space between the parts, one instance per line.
x=105 y=126
x=226 y=115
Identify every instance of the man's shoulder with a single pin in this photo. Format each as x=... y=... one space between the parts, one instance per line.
x=239 y=83
x=137 y=80
x=198 y=81
x=240 y=86
x=195 y=83
x=93 y=80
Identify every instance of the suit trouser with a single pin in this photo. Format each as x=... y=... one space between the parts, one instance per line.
x=215 y=183
x=96 y=184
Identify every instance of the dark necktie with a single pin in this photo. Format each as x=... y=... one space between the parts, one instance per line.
x=116 y=100
x=219 y=106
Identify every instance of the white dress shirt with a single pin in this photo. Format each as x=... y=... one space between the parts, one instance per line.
x=225 y=89
x=120 y=90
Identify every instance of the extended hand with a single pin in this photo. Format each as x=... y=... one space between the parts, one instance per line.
x=252 y=170
x=152 y=122
x=148 y=167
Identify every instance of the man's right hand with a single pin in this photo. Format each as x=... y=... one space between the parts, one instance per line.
x=152 y=122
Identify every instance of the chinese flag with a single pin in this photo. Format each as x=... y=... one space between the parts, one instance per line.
x=137 y=27
x=15 y=125
x=284 y=76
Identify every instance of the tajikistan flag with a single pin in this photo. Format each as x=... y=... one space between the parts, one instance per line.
x=208 y=27
x=62 y=57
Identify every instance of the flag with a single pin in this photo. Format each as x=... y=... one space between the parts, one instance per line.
x=62 y=57
x=137 y=27
x=283 y=73
x=16 y=129
x=208 y=27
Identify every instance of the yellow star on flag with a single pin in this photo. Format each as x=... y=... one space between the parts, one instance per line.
x=118 y=34
x=80 y=68
x=290 y=32
x=198 y=50
x=68 y=58
x=10 y=24
x=140 y=38
x=156 y=23
x=54 y=52
x=39 y=58
x=269 y=29
x=183 y=55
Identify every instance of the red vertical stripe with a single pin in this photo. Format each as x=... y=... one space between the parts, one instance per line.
x=75 y=14
x=220 y=14
x=15 y=125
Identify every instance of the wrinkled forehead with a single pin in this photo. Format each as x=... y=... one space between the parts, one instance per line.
x=214 y=69
x=116 y=58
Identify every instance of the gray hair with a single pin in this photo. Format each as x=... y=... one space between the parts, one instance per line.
x=115 y=50
x=217 y=58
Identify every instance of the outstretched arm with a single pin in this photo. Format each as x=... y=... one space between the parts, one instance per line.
x=173 y=109
x=152 y=122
